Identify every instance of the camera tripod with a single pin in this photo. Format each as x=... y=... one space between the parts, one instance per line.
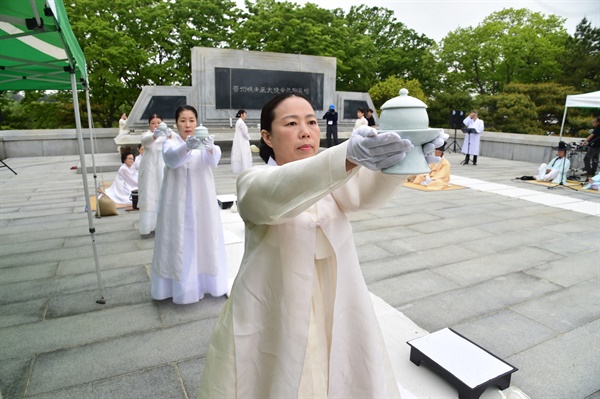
x=454 y=144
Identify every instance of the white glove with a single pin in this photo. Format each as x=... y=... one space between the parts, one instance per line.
x=376 y=151
x=209 y=142
x=158 y=133
x=192 y=142
x=429 y=148
x=169 y=132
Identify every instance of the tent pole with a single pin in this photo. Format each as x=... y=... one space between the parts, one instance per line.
x=91 y=128
x=86 y=189
x=563 y=123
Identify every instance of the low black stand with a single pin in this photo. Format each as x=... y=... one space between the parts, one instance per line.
x=6 y=166
x=467 y=366
x=454 y=144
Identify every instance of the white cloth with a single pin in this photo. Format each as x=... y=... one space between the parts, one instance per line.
x=137 y=163
x=150 y=181
x=125 y=181
x=361 y=122
x=189 y=250
x=241 y=156
x=122 y=129
x=472 y=140
x=595 y=185
x=558 y=173
x=297 y=229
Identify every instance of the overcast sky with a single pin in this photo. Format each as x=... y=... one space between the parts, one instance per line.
x=435 y=18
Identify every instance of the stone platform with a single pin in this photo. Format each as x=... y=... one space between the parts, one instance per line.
x=512 y=266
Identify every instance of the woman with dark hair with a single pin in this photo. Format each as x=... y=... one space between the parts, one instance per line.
x=125 y=181
x=151 y=173
x=189 y=250
x=299 y=321
x=241 y=156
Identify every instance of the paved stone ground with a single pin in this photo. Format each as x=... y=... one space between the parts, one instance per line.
x=517 y=276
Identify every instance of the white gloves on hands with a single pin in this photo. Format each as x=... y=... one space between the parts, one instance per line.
x=209 y=142
x=158 y=133
x=429 y=148
x=376 y=151
x=192 y=142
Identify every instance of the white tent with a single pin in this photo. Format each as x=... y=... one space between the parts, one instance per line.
x=586 y=100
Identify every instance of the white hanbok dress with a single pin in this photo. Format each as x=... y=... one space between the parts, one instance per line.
x=125 y=181
x=150 y=181
x=241 y=156
x=299 y=321
x=189 y=250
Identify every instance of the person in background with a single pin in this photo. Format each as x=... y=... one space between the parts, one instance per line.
x=361 y=120
x=369 y=117
x=439 y=177
x=590 y=159
x=331 y=132
x=472 y=141
x=593 y=183
x=300 y=322
x=241 y=156
x=122 y=123
x=138 y=159
x=556 y=170
x=189 y=249
x=151 y=173
x=125 y=182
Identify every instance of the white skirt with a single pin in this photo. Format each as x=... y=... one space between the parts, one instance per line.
x=188 y=289
x=147 y=221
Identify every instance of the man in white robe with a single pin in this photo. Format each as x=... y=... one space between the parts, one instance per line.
x=472 y=140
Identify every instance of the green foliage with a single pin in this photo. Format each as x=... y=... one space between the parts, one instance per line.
x=441 y=106
x=133 y=43
x=512 y=112
x=512 y=45
x=390 y=88
x=581 y=65
x=516 y=67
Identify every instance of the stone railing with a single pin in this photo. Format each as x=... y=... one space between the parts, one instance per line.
x=37 y=143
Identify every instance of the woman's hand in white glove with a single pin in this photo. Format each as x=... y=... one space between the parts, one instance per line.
x=376 y=151
x=429 y=148
x=209 y=142
x=192 y=142
x=158 y=133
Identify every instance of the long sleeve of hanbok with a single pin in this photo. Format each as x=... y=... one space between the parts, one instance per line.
x=285 y=191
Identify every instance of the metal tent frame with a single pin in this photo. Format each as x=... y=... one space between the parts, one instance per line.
x=38 y=51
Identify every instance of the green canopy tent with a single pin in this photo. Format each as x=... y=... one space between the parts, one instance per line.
x=38 y=51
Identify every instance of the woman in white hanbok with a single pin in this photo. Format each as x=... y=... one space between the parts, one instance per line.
x=189 y=249
x=151 y=174
x=241 y=156
x=299 y=322
x=125 y=182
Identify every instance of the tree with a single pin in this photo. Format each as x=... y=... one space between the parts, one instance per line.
x=132 y=43
x=390 y=88
x=512 y=45
x=581 y=63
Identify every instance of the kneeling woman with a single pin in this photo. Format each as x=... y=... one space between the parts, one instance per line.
x=299 y=321
x=189 y=250
x=125 y=182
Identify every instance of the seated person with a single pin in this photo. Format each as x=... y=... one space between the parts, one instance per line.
x=593 y=183
x=439 y=177
x=556 y=170
x=125 y=182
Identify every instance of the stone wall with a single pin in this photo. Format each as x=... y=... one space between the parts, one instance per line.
x=38 y=143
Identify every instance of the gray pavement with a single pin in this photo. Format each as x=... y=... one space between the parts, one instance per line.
x=505 y=264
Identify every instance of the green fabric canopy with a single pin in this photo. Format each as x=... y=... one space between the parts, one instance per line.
x=37 y=47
